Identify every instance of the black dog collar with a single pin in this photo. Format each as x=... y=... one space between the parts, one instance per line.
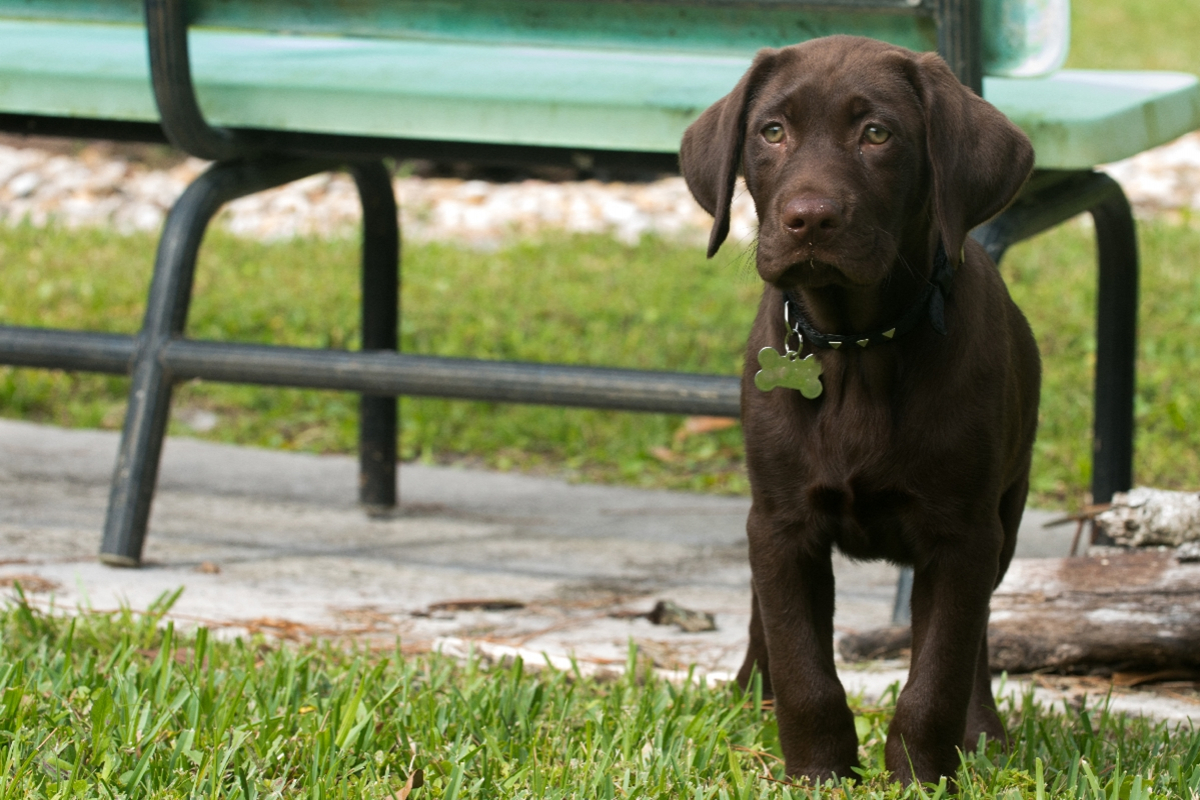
x=932 y=302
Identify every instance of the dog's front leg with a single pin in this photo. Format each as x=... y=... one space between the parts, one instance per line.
x=949 y=612
x=794 y=593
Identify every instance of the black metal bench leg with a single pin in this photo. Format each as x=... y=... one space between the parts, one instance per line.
x=166 y=312
x=137 y=460
x=1116 y=346
x=380 y=319
x=150 y=394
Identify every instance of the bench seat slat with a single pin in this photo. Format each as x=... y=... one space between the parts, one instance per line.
x=1080 y=118
x=479 y=92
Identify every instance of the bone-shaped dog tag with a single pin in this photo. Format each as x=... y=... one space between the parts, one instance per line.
x=790 y=372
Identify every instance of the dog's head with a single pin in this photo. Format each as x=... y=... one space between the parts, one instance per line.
x=852 y=149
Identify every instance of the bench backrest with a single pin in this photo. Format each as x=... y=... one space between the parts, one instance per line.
x=1020 y=36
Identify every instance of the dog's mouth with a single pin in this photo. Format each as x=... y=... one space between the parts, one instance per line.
x=855 y=259
x=814 y=273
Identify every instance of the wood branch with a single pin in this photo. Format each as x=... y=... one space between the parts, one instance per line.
x=1130 y=611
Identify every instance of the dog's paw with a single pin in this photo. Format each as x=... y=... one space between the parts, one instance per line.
x=790 y=372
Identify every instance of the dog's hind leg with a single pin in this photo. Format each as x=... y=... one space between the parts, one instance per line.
x=982 y=716
x=1012 y=507
x=756 y=652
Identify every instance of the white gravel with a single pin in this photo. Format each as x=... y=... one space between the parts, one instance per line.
x=93 y=188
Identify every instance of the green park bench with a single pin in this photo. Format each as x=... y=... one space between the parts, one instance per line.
x=273 y=91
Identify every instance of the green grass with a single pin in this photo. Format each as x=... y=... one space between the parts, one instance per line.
x=1135 y=34
x=117 y=705
x=585 y=300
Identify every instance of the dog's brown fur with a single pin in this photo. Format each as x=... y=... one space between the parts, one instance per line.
x=918 y=450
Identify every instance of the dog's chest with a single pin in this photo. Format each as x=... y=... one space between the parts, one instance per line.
x=863 y=520
x=851 y=478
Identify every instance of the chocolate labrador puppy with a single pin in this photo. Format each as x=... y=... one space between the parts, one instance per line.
x=891 y=388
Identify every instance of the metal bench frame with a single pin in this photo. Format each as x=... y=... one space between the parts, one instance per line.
x=250 y=161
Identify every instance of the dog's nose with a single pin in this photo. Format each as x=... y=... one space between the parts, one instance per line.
x=812 y=219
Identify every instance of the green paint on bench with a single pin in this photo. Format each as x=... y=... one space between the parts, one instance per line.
x=485 y=91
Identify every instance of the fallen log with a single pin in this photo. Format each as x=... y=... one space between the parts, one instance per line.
x=1113 y=611
x=1132 y=610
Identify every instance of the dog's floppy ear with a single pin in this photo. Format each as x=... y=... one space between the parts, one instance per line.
x=711 y=152
x=979 y=159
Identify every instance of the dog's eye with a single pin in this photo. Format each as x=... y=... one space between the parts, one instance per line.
x=876 y=134
x=773 y=133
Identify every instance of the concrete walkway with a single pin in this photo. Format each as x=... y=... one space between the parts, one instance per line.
x=270 y=541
